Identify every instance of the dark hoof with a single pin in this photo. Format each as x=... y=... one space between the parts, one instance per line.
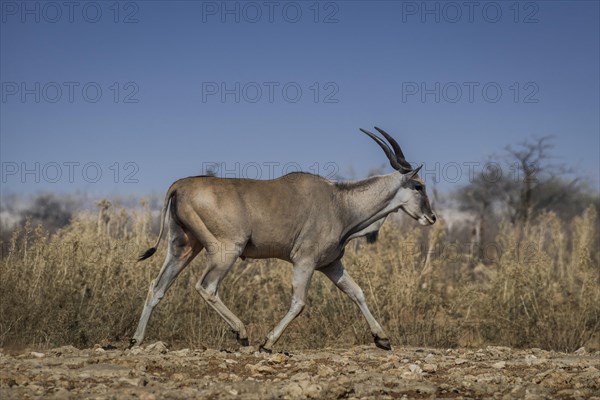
x=132 y=343
x=241 y=341
x=383 y=343
x=263 y=349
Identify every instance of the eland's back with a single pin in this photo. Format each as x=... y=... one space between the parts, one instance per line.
x=263 y=216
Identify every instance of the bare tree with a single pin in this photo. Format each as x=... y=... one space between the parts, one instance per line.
x=530 y=167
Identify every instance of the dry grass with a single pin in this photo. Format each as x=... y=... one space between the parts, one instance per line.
x=81 y=286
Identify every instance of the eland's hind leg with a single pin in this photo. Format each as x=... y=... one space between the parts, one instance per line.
x=219 y=263
x=182 y=248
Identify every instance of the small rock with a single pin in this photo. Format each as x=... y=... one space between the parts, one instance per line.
x=36 y=388
x=308 y=364
x=265 y=369
x=278 y=358
x=64 y=350
x=222 y=376
x=247 y=350
x=61 y=393
x=497 y=351
x=311 y=390
x=324 y=371
x=293 y=390
x=425 y=388
x=147 y=396
x=132 y=382
x=181 y=353
x=259 y=369
x=429 y=368
x=415 y=369
x=499 y=365
x=251 y=367
x=460 y=361
x=210 y=353
x=533 y=396
x=135 y=351
x=386 y=366
x=177 y=377
x=36 y=354
x=301 y=376
x=157 y=348
x=339 y=359
x=393 y=358
x=530 y=359
x=581 y=351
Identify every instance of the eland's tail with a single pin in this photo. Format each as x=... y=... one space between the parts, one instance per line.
x=169 y=198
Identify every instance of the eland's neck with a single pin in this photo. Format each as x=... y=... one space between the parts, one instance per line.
x=369 y=200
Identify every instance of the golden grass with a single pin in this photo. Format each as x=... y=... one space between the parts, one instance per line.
x=539 y=287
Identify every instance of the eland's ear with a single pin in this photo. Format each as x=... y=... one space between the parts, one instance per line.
x=409 y=175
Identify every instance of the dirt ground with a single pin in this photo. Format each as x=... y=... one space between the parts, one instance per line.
x=155 y=372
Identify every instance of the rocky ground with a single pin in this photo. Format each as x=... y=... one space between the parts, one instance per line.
x=155 y=372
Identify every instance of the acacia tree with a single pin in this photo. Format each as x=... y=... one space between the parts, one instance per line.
x=529 y=184
x=50 y=210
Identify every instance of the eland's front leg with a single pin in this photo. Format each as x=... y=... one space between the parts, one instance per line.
x=340 y=277
x=300 y=282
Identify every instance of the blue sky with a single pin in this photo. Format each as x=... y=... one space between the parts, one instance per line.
x=118 y=98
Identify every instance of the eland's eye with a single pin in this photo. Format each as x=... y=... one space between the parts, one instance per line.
x=418 y=187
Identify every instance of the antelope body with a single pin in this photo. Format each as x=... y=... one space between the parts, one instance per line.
x=301 y=218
